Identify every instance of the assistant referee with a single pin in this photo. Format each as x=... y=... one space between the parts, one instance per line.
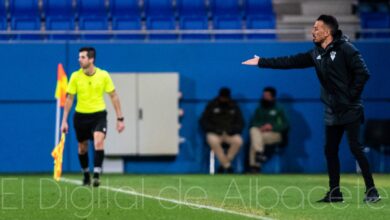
x=90 y=83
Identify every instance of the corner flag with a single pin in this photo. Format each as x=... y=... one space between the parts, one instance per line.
x=60 y=95
x=62 y=82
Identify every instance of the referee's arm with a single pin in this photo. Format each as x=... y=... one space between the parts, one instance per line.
x=67 y=107
x=120 y=126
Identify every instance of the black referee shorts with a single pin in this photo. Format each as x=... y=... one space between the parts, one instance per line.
x=86 y=124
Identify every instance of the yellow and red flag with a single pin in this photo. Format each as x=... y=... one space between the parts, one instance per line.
x=57 y=154
x=62 y=83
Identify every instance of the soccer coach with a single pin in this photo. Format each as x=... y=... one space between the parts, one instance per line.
x=342 y=73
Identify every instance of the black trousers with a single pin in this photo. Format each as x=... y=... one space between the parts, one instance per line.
x=333 y=135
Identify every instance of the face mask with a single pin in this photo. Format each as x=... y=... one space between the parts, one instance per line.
x=267 y=103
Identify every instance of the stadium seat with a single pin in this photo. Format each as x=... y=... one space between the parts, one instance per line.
x=124 y=8
x=160 y=16
x=24 y=8
x=258 y=7
x=375 y=20
x=3 y=20
x=127 y=23
x=96 y=8
x=3 y=12
x=3 y=27
x=58 y=8
x=371 y=7
x=3 y=23
x=194 y=23
x=93 y=17
x=261 y=22
x=225 y=7
x=228 y=23
x=159 y=8
x=55 y=23
x=98 y=24
x=25 y=16
x=193 y=16
x=126 y=15
x=161 y=23
x=191 y=8
x=365 y=8
x=383 y=7
x=60 y=16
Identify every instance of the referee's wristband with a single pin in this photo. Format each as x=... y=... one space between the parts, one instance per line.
x=120 y=119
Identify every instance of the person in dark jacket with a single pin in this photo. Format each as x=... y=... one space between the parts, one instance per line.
x=342 y=73
x=268 y=126
x=223 y=123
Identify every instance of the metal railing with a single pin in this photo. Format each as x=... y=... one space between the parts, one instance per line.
x=47 y=34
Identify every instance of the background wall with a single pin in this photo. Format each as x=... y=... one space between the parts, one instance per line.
x=27 y=105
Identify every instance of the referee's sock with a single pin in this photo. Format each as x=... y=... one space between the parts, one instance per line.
x=98 y=162
x=83 y=158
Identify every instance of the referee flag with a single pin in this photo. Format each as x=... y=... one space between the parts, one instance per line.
x=57 y=154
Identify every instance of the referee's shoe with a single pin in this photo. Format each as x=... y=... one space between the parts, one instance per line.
x=96 y=179
x=86 y=179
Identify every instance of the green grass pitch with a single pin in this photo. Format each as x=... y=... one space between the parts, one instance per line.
x=188 y=197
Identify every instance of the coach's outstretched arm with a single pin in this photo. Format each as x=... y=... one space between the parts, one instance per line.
x=301 y=60
x=252 y=62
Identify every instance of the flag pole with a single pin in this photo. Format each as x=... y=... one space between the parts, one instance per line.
x=57 y=126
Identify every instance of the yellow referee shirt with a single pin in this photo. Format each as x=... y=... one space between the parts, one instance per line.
x=90 y=90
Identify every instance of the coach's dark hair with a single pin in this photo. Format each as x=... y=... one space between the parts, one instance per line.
x=332 y=23
x=91 y=52
x=271 y=90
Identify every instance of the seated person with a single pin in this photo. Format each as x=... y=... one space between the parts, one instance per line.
x=223 y=123
x=268 y=126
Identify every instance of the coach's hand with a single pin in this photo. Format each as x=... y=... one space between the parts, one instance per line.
x=120 y=126
x=64 y=127
x=252 y=62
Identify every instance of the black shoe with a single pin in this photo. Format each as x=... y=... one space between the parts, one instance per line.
x=221 y=169
x=86 y=179
x=332 y=196
x=372 y=195
x=229 y=170
x=95 y=182
x=254 y=169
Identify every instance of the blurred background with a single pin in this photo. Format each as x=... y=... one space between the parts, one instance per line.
x=171 y=56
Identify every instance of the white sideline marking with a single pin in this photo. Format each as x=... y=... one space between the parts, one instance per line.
x=134 y=193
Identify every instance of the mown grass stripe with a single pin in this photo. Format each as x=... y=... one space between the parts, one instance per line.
x=199 y=206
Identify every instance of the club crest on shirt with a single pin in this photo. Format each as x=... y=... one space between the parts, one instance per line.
x=332 y=55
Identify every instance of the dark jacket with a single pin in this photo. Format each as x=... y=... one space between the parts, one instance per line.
x=273 y=115
x=342 y=74
x=219 y=118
